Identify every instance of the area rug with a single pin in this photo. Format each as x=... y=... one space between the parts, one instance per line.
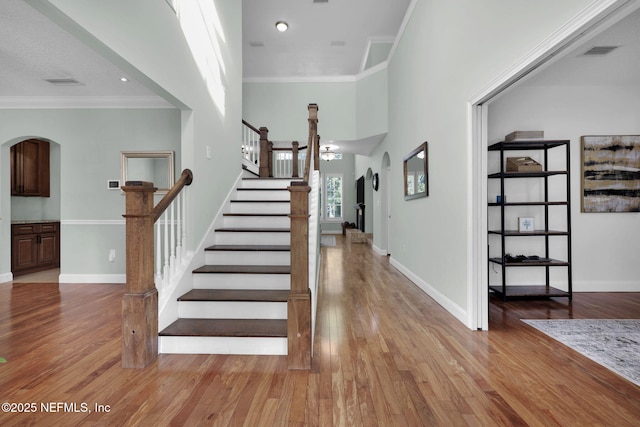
x=327 y=240
x=614 y=344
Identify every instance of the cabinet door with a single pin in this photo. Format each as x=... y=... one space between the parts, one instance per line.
x=30 y=168
x=25 y=252
x=48 y=249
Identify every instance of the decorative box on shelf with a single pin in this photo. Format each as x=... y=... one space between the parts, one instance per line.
x=523 y=164
x=524 y=135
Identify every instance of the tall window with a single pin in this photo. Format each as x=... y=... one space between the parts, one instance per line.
x=333 y=197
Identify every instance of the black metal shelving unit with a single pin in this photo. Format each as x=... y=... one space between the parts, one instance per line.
x=504 y=261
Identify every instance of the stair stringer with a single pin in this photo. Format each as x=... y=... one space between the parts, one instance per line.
x=183 y=282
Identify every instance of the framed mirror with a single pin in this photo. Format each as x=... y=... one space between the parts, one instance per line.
x=416 y=173
x=149 y=166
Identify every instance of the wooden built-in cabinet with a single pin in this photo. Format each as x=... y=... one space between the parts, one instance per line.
x=30 y=168
x=35 y=247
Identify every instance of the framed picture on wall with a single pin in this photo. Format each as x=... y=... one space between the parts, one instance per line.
x=611 y=173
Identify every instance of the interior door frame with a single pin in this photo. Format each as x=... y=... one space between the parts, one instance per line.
x=594 y=19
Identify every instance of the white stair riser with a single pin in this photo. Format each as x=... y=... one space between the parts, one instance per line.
x=241 y=281
x=252 y=238
x=248 y=258
x=232 y=310
x=260 y=207
x=223 y=345
x=274 y=194
x=257 y=221
x=265 y=183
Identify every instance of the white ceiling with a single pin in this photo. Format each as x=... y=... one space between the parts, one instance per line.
x=328 y=38
x=32 y=49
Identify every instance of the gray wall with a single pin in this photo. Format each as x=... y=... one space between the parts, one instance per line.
x=86 y=146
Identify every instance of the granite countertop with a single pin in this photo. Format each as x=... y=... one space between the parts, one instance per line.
x=34 y=221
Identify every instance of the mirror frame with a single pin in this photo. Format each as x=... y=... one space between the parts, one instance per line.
x=162 y=154
x=408 y=157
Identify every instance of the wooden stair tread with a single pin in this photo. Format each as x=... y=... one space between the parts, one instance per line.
x=247 y=269
x=250 y=248
x=260 y=201
x=271 y=178
x=261 y=189
x=257 y=214
x=253 y=295
x=227 y=328
x=254 y=230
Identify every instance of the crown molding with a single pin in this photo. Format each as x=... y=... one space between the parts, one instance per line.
x=84 y=102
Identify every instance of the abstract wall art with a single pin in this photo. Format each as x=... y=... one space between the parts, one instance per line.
x=611 y=173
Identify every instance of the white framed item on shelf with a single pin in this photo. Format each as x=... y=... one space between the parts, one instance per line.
x=526 y=224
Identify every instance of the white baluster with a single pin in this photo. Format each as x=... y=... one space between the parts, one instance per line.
x=158 y=260
x=179 y=230
x=172 y=227
x=184 y=226
x=165 y=272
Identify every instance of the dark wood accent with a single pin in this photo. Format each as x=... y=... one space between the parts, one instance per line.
x=186 y=178
x=385 y=354
x=246 y=248
x=255 y=295
x=244 y=269
x=227 y=328
x=252 y=230
x=250 y=126
x=264 y=170
x=30 y=170
x=140 y=302
x=35 y=247
x=299 y=305
x=259 y=201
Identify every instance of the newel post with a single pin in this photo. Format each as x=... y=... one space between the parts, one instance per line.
x=264 y=153
x=140 y=302
x=294 y=158
x=299 y=301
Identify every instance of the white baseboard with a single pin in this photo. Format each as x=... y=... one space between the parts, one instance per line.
x=92 y=278
x=605 y=286
x=379 y=251
x=457 y=311
x=6 y=277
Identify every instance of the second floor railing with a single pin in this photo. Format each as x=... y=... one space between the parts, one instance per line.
x=266 y=159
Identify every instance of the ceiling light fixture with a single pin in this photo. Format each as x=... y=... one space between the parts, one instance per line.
x=282 y=26
x=124 y=79
x=328 y=155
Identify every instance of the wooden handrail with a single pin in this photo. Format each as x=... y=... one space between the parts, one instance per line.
x=250 y=126
x=186 y=178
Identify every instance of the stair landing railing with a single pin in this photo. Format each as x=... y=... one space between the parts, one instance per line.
x=140 y=302
x=267 y=160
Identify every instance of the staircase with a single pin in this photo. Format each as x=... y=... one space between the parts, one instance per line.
x=238 y=304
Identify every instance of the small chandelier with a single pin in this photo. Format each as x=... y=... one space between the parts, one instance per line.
x=327 y=155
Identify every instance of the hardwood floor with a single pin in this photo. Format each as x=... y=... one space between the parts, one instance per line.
x=385 y=354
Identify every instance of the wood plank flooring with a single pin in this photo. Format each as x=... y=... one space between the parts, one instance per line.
x=385 y=355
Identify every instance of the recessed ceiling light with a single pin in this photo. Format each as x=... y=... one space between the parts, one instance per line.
x=282 y=26
x=124 y=79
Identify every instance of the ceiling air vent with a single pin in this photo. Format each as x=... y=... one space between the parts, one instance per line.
x=600 y=50
x=256 y=44
x=321 y=1
x=64 y=82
